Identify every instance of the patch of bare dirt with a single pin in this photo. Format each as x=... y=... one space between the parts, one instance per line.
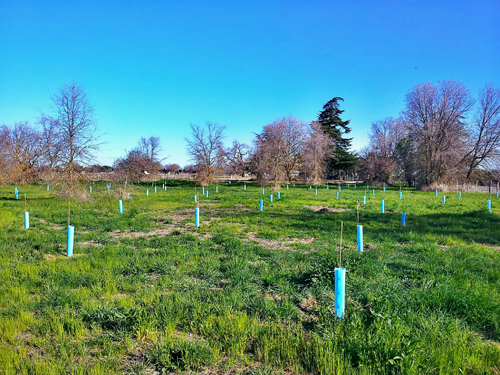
x=242 y=207
x=236 y=369
x=220 y=285
x=278 y=244
x=34 y=350
x=368 y=246
x=203 y=236
x=55 y=256
x=136 y=359
x=442 y=245
x=490 y=246
x=89 y=243
x=275 y=297
x=119 y=295
x=236 y=210
x=156 y=232
x=177 y=217
x=256 y=263
x=309 y=304
x=213 y=216
x=54 y=226
x=323 y=209
x=24 y=336
x=220 y=213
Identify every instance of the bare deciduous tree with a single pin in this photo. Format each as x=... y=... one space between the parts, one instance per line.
x=5 y=161
x=295 y=133
x=150 y=148
x=190 y=168
x=136 y=167
x=385 y=135
x=23 y=148
x=379 y=159
x=142 y=161
x=436 y=140
x=370 y=165
x=484 y=131
x=76 y=128
x=435 y=118
x=235 y=158
x=203 y=148
x=172 y=168
x=52 y=147
x=405 y=154
x=265 y=161
x=316 y=150
x=278 y=150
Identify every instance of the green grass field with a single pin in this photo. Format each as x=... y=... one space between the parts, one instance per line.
x=248 y=292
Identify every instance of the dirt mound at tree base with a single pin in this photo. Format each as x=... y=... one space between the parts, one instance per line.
x=323 y=209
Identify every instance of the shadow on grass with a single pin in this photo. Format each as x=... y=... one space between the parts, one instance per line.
x=22 y=200
x=479 y=227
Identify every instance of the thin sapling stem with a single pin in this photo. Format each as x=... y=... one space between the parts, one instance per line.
x=340 y=250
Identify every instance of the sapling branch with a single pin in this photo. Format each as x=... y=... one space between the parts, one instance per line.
x=357 y=211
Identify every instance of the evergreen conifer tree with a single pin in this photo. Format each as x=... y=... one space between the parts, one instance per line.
x=341 y=157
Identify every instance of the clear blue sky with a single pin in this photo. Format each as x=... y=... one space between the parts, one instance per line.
x=155 y=67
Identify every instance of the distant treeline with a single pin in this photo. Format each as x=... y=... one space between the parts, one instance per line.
x=443 y=135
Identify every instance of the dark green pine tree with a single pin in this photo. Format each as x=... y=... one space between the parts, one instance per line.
x=341 y=159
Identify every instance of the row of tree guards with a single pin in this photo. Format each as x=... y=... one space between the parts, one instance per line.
x=340 y=272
